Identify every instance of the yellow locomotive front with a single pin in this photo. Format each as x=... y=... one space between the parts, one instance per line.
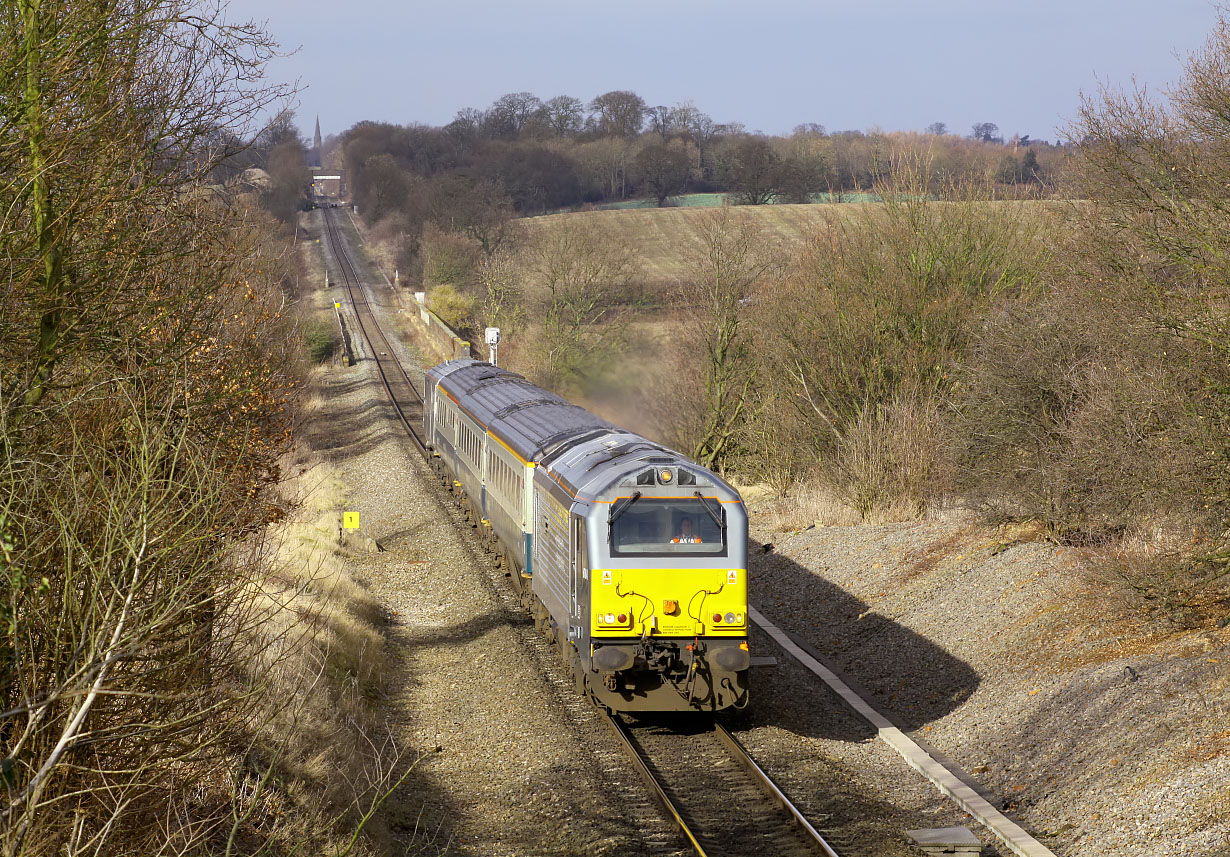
x=667 y=596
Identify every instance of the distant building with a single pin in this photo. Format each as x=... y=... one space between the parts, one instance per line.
x=313 y=155
x=328 y=182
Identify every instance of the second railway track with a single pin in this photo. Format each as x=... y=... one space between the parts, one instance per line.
x=405 y=397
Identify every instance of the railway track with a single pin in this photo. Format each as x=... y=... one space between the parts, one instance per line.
x=721 y=800
x=406 y=400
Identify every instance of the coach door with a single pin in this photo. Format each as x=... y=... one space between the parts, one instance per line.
x=580 y=563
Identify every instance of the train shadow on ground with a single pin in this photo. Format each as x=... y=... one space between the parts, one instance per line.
x=906 y=676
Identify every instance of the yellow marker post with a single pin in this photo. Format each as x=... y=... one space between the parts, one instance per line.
x=337 y=304
x=350 y=520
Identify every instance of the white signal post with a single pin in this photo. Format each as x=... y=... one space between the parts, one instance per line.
x=493 y=343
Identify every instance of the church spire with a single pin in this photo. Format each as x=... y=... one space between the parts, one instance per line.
x=316 y=140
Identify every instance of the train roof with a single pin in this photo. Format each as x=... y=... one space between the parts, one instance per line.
x=579 y=450
x=604 y=464
x=531 y=421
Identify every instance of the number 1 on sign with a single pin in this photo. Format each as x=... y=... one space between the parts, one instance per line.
x=350 y=520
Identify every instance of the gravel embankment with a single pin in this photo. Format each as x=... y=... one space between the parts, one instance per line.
x=1001 y=657
x=504 y=770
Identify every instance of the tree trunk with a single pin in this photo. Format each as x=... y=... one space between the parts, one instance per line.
x=43 y=214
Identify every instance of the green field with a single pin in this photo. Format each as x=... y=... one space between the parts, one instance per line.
x=715 y=200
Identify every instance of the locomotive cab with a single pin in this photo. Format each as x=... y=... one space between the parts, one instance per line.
x=658 y=593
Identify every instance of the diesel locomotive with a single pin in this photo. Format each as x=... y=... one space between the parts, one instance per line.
x=632 y=557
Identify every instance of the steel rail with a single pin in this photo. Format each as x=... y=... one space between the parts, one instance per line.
x=370 y=329
x=770 y=788
x=362 y=307
x=950 y=782
x=740 y=755
x=655 y=786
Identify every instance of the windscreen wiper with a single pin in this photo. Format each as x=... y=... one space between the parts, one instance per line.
x=712 y=514
x=621 y=506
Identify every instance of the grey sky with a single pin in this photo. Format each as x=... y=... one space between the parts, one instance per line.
x=770 y=64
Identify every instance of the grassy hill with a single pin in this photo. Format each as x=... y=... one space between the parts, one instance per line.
x=667 y=237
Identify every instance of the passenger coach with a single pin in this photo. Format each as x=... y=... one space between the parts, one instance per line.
x=631 y=556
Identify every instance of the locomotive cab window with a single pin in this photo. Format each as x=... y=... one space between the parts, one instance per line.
x=667 y=527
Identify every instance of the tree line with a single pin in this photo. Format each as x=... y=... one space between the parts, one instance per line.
x=1059 y=362
x=524 y=156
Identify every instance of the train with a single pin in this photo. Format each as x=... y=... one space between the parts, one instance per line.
x=631 y=557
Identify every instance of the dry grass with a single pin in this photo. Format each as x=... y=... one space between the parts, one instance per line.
x=319 y=659
x=311 y=256
x=380 y=248
x=668 y=239
x=807 y=503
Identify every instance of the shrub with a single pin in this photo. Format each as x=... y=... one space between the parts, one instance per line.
x=891 y=462
x=1102 y=407
x=576 y=281
x=1084 y=411
x=863 y=337
x=448 y=257
x=454 y=308
x=321 y=339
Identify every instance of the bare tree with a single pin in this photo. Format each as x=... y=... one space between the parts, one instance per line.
x=576 y=279
x=754 y=171
x=565 y=115
x=699 y=128
x=143 y=403
x=133 y=116
x=987 y=132
x=1155 y=173
x=289 y=178
x=661 y=121
x=503 y=301
x=733 y=260
x=619 y=113
x=480 y=210
x=664 y=168
x=608 y=160
x=510 y=113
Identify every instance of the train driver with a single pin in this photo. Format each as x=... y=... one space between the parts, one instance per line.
x=685 y=535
